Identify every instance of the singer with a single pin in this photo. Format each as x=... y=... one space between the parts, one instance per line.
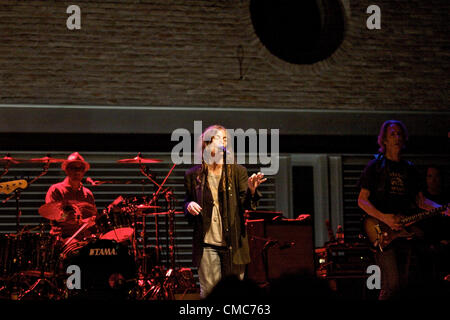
x=217 y=194
x=71 y=188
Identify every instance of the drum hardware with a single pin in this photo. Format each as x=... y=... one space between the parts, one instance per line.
x=41 y=273
x=14 y=186
x=58 y=211
x=8 y=160
x=164 y=281
x=95 y=183
x=152 y=204
x=77 y=232
x=145 y=171
x=138 y=159
x=47 y=160
x=115 y=224
x=28 y=260
x=29 y=257
x=160 y=282
x=107 y=267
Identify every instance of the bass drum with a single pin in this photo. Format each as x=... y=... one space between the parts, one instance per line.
x=107 y=269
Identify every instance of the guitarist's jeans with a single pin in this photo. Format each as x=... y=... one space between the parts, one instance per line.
x=403 y=264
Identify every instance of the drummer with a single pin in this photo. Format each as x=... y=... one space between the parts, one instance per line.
x=71 y=188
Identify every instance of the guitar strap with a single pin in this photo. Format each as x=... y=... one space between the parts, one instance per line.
x=382 y=175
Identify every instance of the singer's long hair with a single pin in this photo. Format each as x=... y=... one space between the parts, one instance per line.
x=205 y=140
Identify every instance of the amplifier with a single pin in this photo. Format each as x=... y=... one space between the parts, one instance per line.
x=280 y=247
x=343 y=259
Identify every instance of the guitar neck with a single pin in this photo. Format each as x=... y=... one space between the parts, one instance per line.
x=422 y=215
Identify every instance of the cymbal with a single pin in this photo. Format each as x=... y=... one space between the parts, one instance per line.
x=37 y=273
x=139 y=159
x=162 y=213
x=57 y=210
x=47 y=160
x=100 y=182
x=144 y=206
x=8 y=159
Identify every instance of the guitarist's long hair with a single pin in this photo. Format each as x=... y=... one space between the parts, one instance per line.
x=383 y=130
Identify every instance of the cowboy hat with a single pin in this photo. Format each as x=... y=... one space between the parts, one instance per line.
x=75 y=158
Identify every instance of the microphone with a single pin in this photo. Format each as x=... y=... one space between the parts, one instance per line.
x=222 y=148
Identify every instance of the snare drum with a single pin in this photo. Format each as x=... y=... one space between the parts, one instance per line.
x=115 y=224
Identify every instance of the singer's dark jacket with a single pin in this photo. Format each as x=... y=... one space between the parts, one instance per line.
x=239 y=200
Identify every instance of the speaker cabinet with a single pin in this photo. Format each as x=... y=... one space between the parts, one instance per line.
x=280 y=247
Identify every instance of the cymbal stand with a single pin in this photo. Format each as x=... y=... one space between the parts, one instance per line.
x=42 y=279
x=17 y=194
x=144 y=171
x=155 y=197
x=44 y=172
x=171 y=209
x=159 y=284
x=6 y=169
x=164 y=285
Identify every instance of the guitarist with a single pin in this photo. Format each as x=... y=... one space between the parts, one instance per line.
x=391 y=186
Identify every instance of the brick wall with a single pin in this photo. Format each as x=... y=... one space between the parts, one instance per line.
x=186 y=53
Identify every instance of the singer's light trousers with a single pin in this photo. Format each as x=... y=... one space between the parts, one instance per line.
x=213 y=266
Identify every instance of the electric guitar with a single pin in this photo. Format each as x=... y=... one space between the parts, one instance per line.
x=11 y=186
x=381 y=235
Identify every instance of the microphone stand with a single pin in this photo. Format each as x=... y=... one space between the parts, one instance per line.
x=227 y=213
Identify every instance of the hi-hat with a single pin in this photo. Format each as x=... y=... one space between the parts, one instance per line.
x=58 y=211
x=47 y=160
x=139 y=159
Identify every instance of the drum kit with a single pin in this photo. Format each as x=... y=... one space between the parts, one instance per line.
x=110 y=248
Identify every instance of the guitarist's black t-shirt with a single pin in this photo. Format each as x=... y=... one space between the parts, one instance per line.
x=393 y=185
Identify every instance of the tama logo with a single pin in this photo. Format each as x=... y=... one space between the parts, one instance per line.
x=103 y=252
